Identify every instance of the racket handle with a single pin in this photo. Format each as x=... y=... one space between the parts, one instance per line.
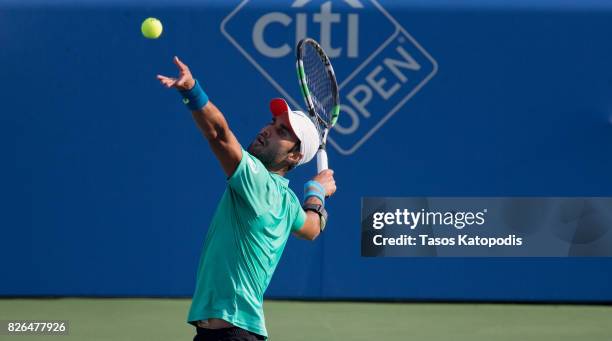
x=321 y=160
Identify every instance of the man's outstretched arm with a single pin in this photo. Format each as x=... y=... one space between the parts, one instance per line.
x=209 y=120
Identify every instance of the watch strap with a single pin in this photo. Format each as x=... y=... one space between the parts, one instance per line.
x=318 y=209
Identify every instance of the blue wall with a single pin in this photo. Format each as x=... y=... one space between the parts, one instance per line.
x=108 y=188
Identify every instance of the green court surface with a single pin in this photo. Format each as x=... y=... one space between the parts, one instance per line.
x=164 y=319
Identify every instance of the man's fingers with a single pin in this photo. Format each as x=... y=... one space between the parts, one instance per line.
x=180 y=64
x=327 y=172
x=167 y=81
x=163 y=78
x=176 y=61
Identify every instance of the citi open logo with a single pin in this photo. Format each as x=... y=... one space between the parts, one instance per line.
x=378 y=64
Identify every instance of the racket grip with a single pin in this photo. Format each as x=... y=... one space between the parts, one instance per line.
x=321 y=160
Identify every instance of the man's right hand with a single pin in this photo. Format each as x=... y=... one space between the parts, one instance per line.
x=184 y=81
x=326 y=179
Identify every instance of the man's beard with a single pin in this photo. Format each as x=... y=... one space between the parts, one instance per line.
x=262 y=154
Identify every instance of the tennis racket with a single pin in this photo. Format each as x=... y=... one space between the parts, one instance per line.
x=320 y=91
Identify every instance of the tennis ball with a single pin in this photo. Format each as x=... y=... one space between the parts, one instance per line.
x=151 y=28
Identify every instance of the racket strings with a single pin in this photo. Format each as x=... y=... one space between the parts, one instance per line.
x=319 y=85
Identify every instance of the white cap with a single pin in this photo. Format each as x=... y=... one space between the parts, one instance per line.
x=302 y=127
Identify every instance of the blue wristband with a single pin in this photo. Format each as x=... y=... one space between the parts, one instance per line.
x=316 y=194
x=314 y=184
x=195 y=99
x=314 y=189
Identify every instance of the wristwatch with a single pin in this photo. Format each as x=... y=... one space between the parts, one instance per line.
x=318 y=209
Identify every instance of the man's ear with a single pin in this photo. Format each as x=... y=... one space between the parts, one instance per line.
x=294 y=157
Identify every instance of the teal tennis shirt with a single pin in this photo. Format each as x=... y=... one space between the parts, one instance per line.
x=245 y=241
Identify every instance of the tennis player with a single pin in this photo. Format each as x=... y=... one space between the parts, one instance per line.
x=256 y=213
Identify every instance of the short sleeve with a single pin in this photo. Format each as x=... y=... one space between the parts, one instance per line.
x=251 y=181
